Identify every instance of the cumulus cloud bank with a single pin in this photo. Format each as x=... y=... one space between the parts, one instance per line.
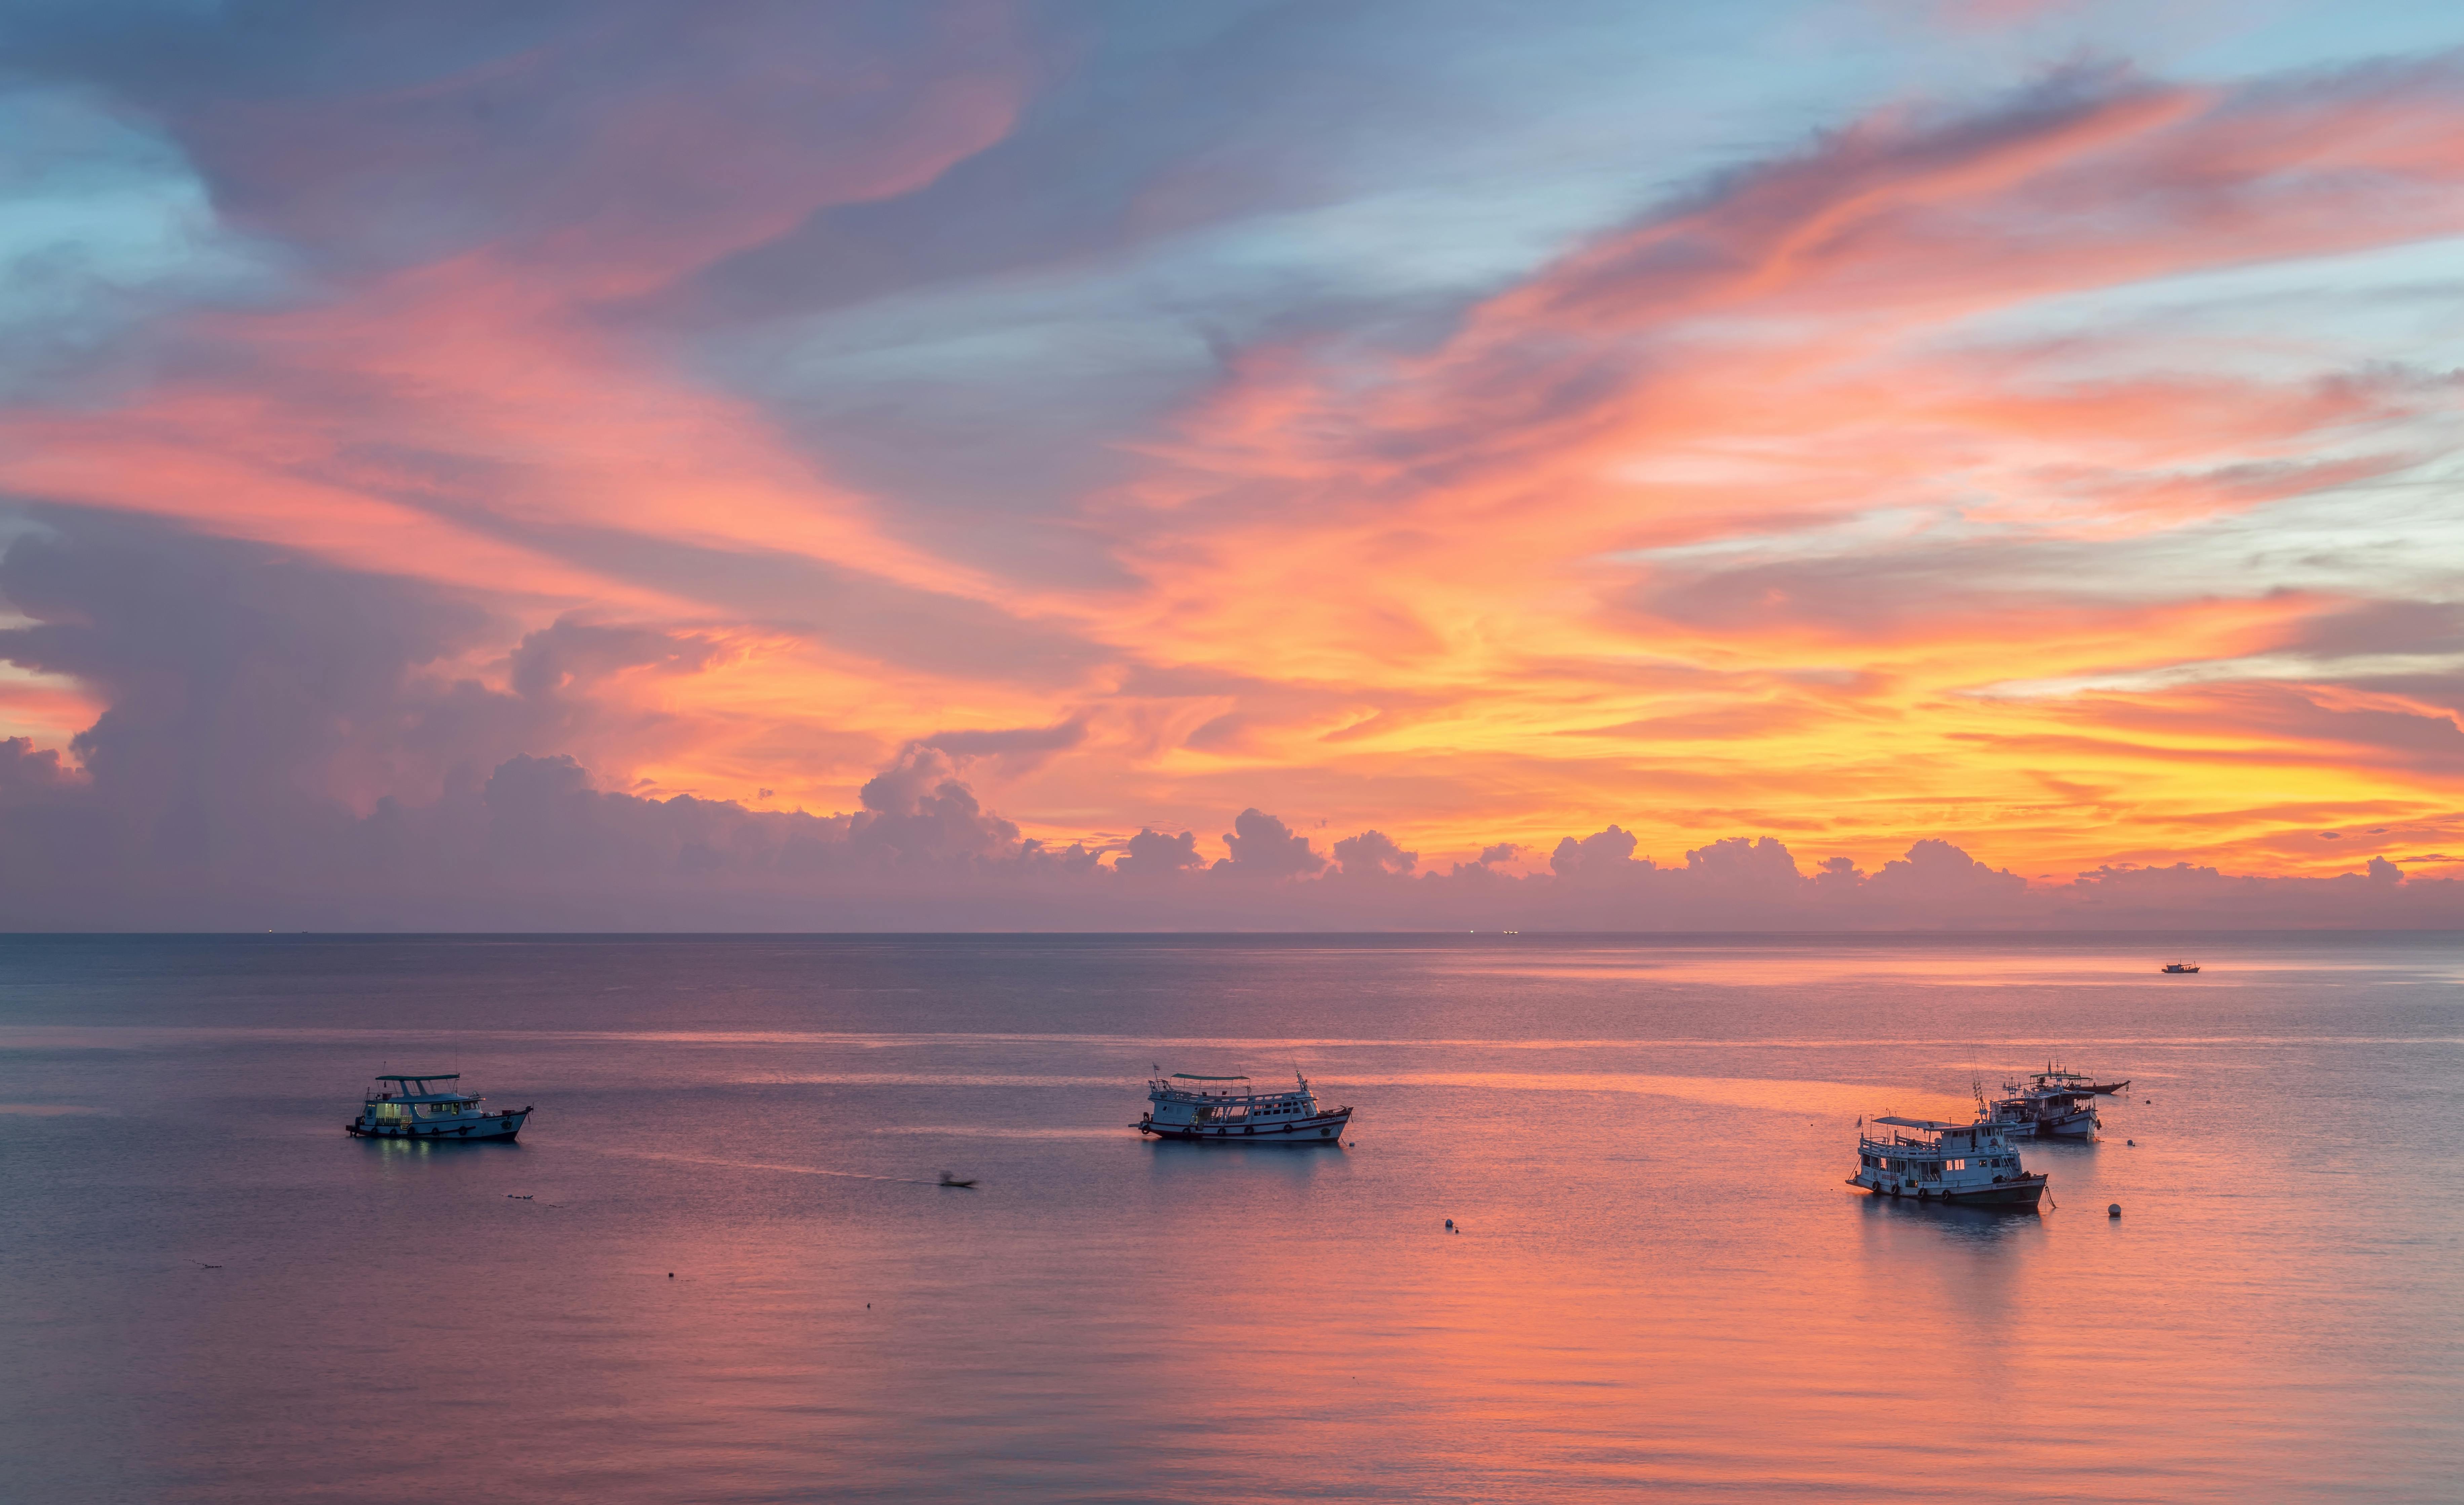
x=289 y=747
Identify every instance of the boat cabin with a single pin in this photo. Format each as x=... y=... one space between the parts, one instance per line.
x=1225 y=1099
x=417 y=1099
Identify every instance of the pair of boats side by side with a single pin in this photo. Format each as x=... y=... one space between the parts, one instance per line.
x=1977 y=1162
x=1183 y=1107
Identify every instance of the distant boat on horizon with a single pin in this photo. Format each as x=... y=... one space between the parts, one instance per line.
x=2180 y=967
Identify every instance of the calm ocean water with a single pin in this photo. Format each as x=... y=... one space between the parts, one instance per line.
x=1661 y=1284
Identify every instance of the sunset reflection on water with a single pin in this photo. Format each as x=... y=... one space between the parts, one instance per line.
x=1660 y=1284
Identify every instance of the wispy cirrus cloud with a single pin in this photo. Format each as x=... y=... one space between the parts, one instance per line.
x=1658 y=441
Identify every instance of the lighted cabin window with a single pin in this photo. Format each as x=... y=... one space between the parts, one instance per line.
x=1954 y=1164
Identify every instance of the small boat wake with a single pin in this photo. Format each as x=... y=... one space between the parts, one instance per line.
x=789 y=1171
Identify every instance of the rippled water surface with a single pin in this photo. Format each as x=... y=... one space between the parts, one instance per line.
x=1661 y=1285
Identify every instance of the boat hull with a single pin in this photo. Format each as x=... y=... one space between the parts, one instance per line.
x=2029 y=1122
x=2070 y=1126
x=2020 y=1192
x=495 y=1128
x=2025 y=1193
x=1325 y=1128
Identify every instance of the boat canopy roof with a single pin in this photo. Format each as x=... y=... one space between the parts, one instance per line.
x=415 y=1088
x=1182 y=1076
x=1920 y=1124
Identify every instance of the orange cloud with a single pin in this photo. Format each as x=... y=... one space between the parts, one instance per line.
x=1745 y=517
x=1644 y=455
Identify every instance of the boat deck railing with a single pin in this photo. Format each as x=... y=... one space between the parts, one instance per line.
x=1930 y=1147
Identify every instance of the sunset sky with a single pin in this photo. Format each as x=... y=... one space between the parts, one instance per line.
x=2024 y=426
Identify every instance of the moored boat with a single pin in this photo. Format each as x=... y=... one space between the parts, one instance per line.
x=410 y=1107
x=1936 y=1160
x=2078 y=1081
x=2042 y=1111
x=1183 y=1107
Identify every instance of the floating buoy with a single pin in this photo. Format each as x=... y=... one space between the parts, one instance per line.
x=2132 y=1142
x=2115 y=1210
x=1450 y=1225
x=671 y=1275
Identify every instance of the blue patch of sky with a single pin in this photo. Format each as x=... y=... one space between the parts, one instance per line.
x=103 y=227
x=1335 y=173
x=1349 y=173
x=2284 y=319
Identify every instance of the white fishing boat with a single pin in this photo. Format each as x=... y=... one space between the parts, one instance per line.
x=1183 y=1107
x=2048 y=1108
x=410 y=1107
x=1934 y=1161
